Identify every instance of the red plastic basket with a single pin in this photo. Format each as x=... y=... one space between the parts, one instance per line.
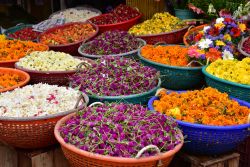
x=51 y=77
x=71 y=48
x=123 y=26
x=173 y=37
x=80 y=158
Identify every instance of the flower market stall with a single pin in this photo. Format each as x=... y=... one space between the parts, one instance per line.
x=88 y=88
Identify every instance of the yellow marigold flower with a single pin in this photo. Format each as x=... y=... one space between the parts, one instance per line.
x=242 y=27
x=219 y=25
x=227 y=37
x=220 y=43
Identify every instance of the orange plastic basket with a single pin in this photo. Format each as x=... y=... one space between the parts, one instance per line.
x=34 y=132
x=80 y=158
x=23 y=75
x=192 y=31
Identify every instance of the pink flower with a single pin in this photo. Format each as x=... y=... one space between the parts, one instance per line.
x=193 y=52
x=195 y=9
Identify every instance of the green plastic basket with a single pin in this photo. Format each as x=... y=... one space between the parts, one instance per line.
x=141 y=98
x=236 y=90
x=177 y=78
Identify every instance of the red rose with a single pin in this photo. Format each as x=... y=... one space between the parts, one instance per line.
x=198 y=37
x=236 y=32
x=214 y=31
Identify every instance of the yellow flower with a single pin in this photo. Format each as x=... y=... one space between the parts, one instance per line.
x=227 y=37
x=219 y=25
x=220 y=43
x=242 y=27
x=2 y=37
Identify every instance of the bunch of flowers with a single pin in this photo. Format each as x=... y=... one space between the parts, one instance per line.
x=208 y=107
x=218 y=40
x=25 y=34
x=37 y=100
x=120 y=130
x=112 y=42
x=115 y=76
x=232 y=70
x=246 y=45
x=49 y=61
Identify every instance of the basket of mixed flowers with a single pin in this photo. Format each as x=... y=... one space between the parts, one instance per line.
x=177 y=71
x=117 y=79
x=191 y=36
x=118 y=134
x=244 y=46
x=28 y=115
x=213 y=122
x=112 y=43
x=52 y=67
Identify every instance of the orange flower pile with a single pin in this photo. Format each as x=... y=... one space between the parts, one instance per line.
x=16 y=49
x=207 y=106
x=9 y=79
x=171 y=55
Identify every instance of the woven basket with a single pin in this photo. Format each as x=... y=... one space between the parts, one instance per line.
x=77 y=8
x=128 y=54
x=72 y=47
x=141 y=98
x=34 y=132
x=192 y=31
x=211 y=140
x=148 y=7
x=234 y=89
x=23 y=75
x=240 y=45
x=51 y=77
x=122 y=26
x=80 y=158
x=173 y=37
x=176 y=78
x=17 y=28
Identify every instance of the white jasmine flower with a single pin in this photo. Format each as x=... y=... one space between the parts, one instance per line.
x=204 y=43
x=226 y=55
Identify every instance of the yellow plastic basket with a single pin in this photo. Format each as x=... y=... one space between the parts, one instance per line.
x=148 y=7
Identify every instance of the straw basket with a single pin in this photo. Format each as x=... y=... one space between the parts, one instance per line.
x=23 y=75
x=80 y=158
x=34 y=132
x=192 y=31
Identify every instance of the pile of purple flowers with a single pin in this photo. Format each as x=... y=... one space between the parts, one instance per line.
x=120 y=130
x=112 y=42
x=115 y=76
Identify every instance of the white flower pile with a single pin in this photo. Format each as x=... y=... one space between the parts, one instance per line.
x=49 y=61
x=37 y=100
x=76 y=15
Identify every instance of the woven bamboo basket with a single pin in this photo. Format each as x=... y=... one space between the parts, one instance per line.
x=34 y=132
x=147 y=7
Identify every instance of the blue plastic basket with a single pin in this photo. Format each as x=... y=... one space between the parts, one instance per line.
x=211 y=140
x=175 y=77
x=141 y=98
x=234 y=89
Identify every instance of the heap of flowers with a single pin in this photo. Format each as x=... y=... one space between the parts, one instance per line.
x=25 y=34
x=208 y=107
x=115 y=76
x=218 y=40
x=37 y=100
x=120 y=130
x=8 y=80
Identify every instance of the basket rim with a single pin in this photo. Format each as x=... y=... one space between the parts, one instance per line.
x=223 y=80
x=110 y=158
x=54 y=72
x=201 y=126
x=67 y=25
x=128 y=96
x=77 y=8
x=19 y=72
x=191 y=30
x=115 y=55
x=240 y=45
x=51 y=116
x=115 y=24
x=164 y=33
x=167 y=66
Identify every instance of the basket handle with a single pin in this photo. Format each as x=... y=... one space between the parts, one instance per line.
x=79 y=66
x=95 y=103
x=194 y=61
x=160 y=43
x=150 y=147
x=83 y=97
x=159 y=90
x=192 y=26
